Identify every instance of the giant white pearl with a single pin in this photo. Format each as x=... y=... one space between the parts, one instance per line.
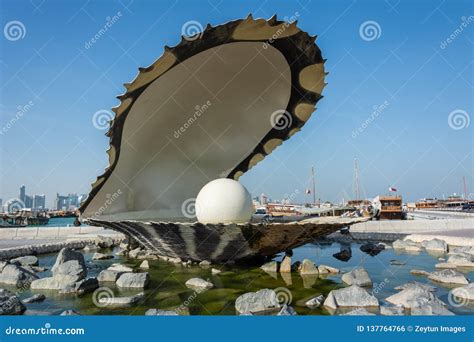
x=223 y=200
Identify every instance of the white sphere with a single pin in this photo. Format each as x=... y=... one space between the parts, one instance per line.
x=223 y=200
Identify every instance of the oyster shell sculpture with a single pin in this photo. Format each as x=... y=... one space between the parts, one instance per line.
x=213 y=106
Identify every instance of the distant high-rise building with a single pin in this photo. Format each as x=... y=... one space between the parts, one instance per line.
x=1 y=205
x=39 y=202
x=61 y=202
x=263 y=199
x=23 y=194
x=28 y=202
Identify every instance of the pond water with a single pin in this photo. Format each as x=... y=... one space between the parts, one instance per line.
x=167 y=289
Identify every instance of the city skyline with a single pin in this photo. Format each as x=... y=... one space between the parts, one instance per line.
x=393 y=101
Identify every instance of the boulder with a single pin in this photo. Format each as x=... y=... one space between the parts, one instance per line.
x=137 y=280
x=28 y=260
x=3 y=264
x=120 y=268
x=81 y=287
x=270 y=267
x=108 y=276
x=460 y=260
x=307 y=267
x=18 y=276
x=435 y=245
x=159 y=312
x=34 y=299
x=444 y=265
x=424 y=306
x=121 y=301
x=90 y=248
x=10 y=304
x=70 y=262
x=136 y=253
x=199 y=284
x=397 y=262
x=352 y=296
x=415 y=284
x=358 y=276
x=285 y=266
x=69 y=313
x=324 y=269
x=371 y=248
x=358 y=312
x=464 y=292
x=407 y=245
x=412 y=296
x=397 y=310
x=448 y=276
x=104 y=241
x=344 y=255
x=101 y=256
x=215 y=271
x=144 y=265
x=262 y=301
x=58 y=282
x=420 y=272
x=315 y=301
x=287 y=310
x=205 y=264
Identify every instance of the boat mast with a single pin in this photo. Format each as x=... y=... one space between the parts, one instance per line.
x=313 y=186
x=356 y=179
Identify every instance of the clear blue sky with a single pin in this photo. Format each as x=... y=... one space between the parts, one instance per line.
x=54 y=147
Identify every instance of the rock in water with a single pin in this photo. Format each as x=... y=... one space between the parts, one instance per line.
x=464 y=292
x=448 y=276
x=409 y=296
x=436 y=245
x=34 y=299
x=285 y=266
x=397 y=310
x=101 y=256
x=415 y=284
x=70 y=262
x=159 y=312
x=81 y=286
x=120 y=268
x=358 y=276
x=315 y=301
x=121 y=301
x=199 y=284
x=138 y=280
x=271 y=267
x=18 y=276
x=350 y=296
x=324 y=269
x=145 y=265
x=205 y=264
x=10 y=304
x=215 y=271
x=358 y=312
x=371 y=248
x=69 y=313
x=58 y=282
x=287 y=311
x=461 y=260
x=28 y=260
x=257 y=302
x=407 y=245
x=307 y=267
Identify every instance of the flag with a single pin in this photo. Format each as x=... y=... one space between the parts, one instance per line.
x=392 y=189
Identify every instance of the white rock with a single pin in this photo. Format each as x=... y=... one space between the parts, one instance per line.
x=159 y=312
x=315 y=301
x=35 y=298
x=358 y=312
x=18 y=276
x=10 y=304
x=205 y=264
x=101 y=256
x=436 y=245
x=448 y=276
x=307 y=267
x=350 y=296
x=257 y=302
x=120 y=268
x=271 y=267
x=358 y=276
x=285 y=266
x=409 y=297
x=464 y=292
x=135 y=280
x=108 y=276
x=461 y=260
x=215 y=271
x=121 y=301
x=28 y=260
x=397 y=310
x=324 y=269
x=145 y=265
x=199 y=284
x=287 y=310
